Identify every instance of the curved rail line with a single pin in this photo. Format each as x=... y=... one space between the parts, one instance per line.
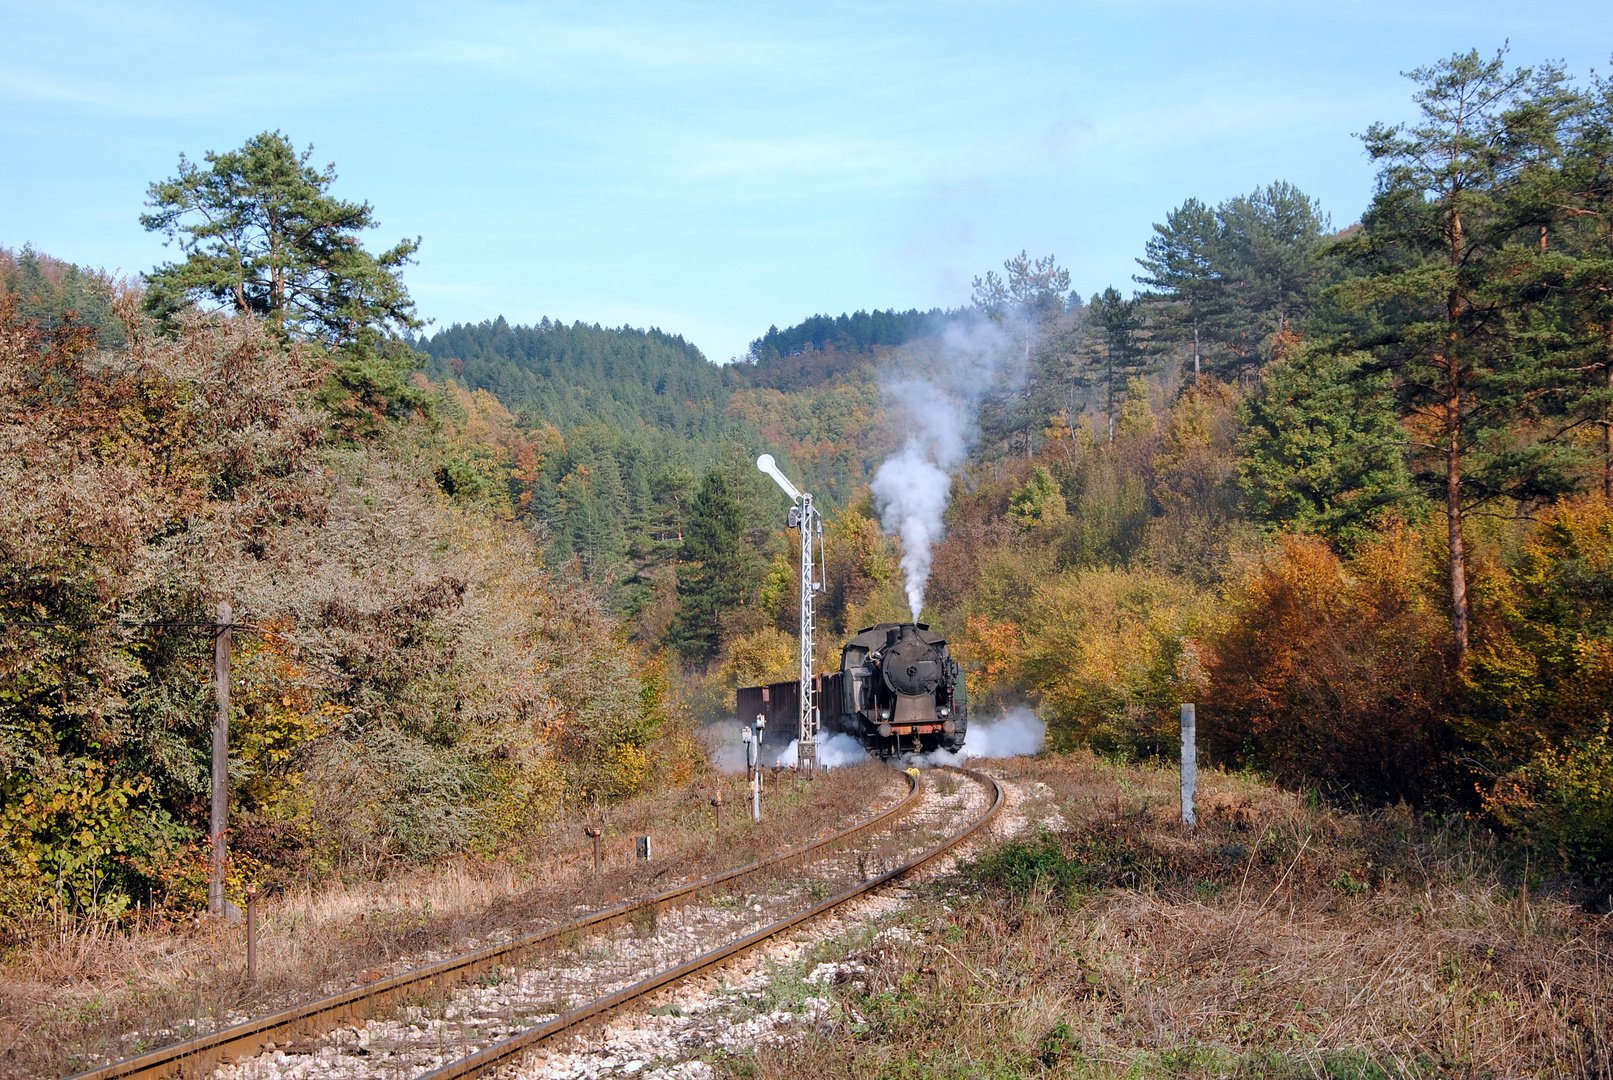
x=200 y=1055
x=502 y=1052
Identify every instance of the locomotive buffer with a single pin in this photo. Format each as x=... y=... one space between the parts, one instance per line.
x=805 y=517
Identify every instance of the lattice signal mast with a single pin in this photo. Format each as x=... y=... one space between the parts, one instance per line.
x=805 y=517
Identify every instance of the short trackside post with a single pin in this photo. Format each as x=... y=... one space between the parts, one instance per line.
x=1190 y=763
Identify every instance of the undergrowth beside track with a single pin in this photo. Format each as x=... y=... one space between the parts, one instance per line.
x=77 y=993
x=1279 y=939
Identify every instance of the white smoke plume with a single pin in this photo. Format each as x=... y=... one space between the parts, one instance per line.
x=725 y=746
x=837 y=750
x=912 y=490
x=1016 y=733
x=938 y=401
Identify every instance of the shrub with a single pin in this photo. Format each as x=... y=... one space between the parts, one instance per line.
x=1563 y=800
x=1025 y=866
x=1542 y=670
x=1110 y=653
x=424 y=684
x=1335 y=672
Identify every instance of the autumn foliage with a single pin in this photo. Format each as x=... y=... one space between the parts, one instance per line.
x=1335 y=672
x=410 y=679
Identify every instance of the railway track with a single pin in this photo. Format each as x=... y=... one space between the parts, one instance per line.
x=473 y=1013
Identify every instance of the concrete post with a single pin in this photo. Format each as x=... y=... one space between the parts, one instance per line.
x=1190 y=763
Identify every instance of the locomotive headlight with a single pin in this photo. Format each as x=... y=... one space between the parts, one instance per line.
x=945 y=710
x=884 y=714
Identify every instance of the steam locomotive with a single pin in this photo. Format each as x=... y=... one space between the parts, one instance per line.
x=898 y=690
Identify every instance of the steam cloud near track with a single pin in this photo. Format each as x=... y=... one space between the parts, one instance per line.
x=1016 y=733
x=728 y=749
x=837 y=750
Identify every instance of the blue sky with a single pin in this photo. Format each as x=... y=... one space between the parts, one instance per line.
x=715 y=168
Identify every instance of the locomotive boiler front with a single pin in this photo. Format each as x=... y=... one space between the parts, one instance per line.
x=912 y=670
x=902 y=690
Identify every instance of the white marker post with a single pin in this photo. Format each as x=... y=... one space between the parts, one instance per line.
x=1190 y=763
x=750 y=770
x=761 y=724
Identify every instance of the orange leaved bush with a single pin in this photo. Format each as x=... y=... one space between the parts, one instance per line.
x=1335 y=673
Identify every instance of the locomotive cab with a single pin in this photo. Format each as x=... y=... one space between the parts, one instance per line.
x=902 y=691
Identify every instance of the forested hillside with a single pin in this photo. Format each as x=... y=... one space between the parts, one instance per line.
x=617 y=426
x=1347 y=489
x=821 y=348
x=572 y=376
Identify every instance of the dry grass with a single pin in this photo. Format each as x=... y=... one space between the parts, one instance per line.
x=70 y=993
x=1277 y=940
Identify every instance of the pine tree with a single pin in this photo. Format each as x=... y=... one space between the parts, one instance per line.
x=1028 y=304
x=1183 y=264
x=1321 y=448
x=1576 y=209
x=1120 y=350
x=1441 y=293
x=262 y=235
x=1228 y=280
x=712 y=579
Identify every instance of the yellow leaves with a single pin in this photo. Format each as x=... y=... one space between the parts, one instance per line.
x=762 y=656
x=858 y=550
x=1565 y=799
x=628 y=767
x=1103 y=649
x=782 y=576
x=1059 y=440
x=1039 y=503
x=993 y=651
x=61 y=835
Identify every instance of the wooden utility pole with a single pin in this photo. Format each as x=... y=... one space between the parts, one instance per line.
x=221 y=760
x=594 y=834
x=252 y=932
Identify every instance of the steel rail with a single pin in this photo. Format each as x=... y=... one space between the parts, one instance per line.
x=501 y=1052
x=201 y=1055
